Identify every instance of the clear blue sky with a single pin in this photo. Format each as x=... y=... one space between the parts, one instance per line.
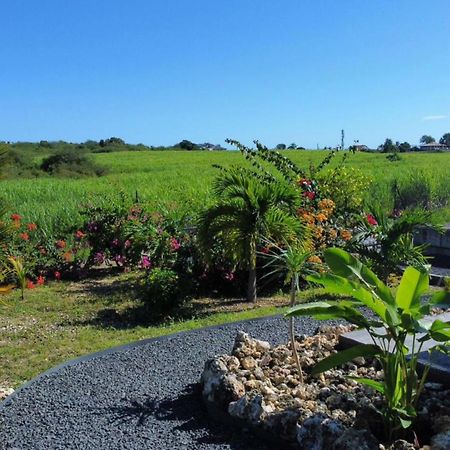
x=279 y=71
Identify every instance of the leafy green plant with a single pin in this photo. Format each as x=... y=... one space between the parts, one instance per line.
x=294 y=262
x=17 y=269
x=394 y=319
x=345 y=186
x=385 y=241
x=247 y=210
x=164 y=290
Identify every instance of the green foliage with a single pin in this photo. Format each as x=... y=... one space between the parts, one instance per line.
x=164 y=290
x=395 y=318
x=71 y=164
x=393 y=157
x=247 y=210
x=385 y=241
x=445 y=139
x=426 y=139
x=346 y=186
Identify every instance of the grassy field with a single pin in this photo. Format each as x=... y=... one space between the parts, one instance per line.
x=179 y=180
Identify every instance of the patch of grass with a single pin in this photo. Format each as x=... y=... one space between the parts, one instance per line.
x=64 y=320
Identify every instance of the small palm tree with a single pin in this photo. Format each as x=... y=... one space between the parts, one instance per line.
x=248 y=209
x=293 y=261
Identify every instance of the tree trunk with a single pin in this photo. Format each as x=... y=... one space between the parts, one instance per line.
x=251 y=286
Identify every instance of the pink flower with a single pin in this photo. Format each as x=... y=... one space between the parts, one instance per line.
x=265 y=250
x=229 y=276
x=174 y=244
x=30 y=284
x=115 y=242
x=57 y=275
x=371 y=220
x=79 y=234
x=99 y=258
x=145 y=262
x=40 y=280
x=127 y=243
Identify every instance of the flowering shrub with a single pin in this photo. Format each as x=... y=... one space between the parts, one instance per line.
x=164 y=289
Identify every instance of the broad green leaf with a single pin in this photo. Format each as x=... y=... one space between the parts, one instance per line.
x=440 y=331
x=412 y=285
x=335 y=284
x=376 y=385
x=344 y=264
x=337 y=359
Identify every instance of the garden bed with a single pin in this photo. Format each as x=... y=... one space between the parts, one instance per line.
x=258 y=387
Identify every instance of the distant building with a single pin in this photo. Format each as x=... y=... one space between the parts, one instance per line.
x=433 y=147
x=359 y=148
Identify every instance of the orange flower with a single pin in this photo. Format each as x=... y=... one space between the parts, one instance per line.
x=321 y=217
x=326 y=204
x=319 y=232
x=68 y=256
x=308 y=218
x=61 y=244
x=24 y=236
x=31 y=227
x=346 y=235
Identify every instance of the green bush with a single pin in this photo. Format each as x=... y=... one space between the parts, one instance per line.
x=71 y=164
x=345 y=186
x=164 y=289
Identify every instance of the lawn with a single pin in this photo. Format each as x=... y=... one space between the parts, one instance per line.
x=64 y=320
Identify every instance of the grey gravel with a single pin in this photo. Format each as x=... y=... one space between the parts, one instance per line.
x=144 y=396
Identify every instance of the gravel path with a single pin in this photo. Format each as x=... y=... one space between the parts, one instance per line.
x=143 y=396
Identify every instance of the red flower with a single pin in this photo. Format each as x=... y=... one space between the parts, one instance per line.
x=61 y=244
x=30 y=284
x=174 y=244
x=57 y=275
x=16 y=217
x=40 y=280
x=32 y=227
x=265 y=250
x=24 y=236
x=309 y=194
x=79 y=234
x=371 y=220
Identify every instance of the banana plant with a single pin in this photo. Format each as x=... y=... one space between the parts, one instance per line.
x=393 y=319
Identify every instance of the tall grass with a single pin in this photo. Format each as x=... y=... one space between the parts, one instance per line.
x=180 y=181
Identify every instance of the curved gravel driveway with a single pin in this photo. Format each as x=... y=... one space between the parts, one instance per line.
x=141 y=396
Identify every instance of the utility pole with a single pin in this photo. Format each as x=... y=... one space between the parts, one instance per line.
x=342 y=139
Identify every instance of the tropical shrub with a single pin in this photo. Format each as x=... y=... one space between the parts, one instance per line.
x=164 y=290
x=247 y=210
x=385 y=241
x=394 y=319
